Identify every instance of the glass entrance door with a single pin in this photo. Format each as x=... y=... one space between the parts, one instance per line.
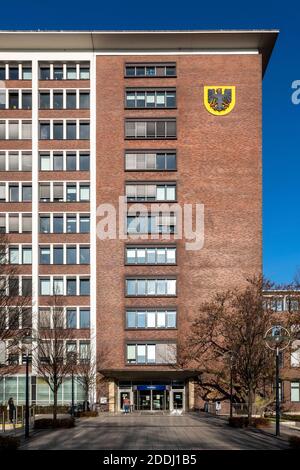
x=144 y=400
x=158 y=400
x=177 y=400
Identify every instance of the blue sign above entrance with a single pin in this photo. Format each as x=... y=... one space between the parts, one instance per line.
x=151 y=387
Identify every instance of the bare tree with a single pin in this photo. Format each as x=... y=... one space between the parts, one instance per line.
x=233 y=324
x=52 y=360
x=12 y=307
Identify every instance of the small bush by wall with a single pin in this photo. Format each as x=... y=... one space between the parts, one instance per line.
x=238 y=422
x=48 y=423
x=88 y=414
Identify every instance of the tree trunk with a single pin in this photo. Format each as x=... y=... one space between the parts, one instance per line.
x=250 y=405
x=55 y=405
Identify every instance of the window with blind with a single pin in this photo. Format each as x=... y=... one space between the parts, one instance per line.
x=151 y=223
x=150 y=192
x=150 y=161
x=150 y=70
x=151 y=353
x=143 y=318
x=150 y=287
x=156 y=98
x=150 y=255
x=150 y=129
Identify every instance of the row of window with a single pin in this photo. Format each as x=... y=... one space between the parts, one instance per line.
x=282 y=304
x=13 y=286
x=16 y=317
x=64 y=192
x=150 y=318
x=64 y=223
x=150 y=129
x=16 y=192
x=16 y=223
x=159 y=161
x=74 y=317
x=151 y=224
x=61 y=130
x=15 y=160
x=64 y=71
x=15 y=99
x=50 y=254
x=150 y=191
x=64 y=99
x=151 y=287
x=151 y=353
x=150 y=70
x=65 y=285
x=15 y=129
x=50 y=99
x=68 y=254
x=150 y=255
x=150 y=99
x=64 y=161
x=14 y=71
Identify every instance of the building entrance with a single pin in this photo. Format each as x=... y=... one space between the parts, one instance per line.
x=151 y=398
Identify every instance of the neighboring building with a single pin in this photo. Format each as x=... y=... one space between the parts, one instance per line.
x=284 y=303
x=87 y=117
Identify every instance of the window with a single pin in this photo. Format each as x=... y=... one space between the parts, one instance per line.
x=84 y=255
x=295 y=391
x=84 y=72
x=45 y=286
x=150 y=287
x=45 y=255
x=150 y=255
x=14 y=223
x=45 y=163
x=84 y=100
x=26 y=73
x=27 y=286
x=44 y=192
x=44 y=73
x=295 y=354
x=161 y=353
x=150 y=99
x=71 y=318
x=160 y=129
x=84 y=286
x=44 y=224
x=14 y=255
x=45 y=100
x=71 y=161
x=58 y=100
x=71 y=100
x=151 y=192
x=44 y=130
x=26 y=160
x=26 y=130
x=84 y=162
x=13 y=130
x=26 y=100
x=150 y=70
x=71 y=72
x=13 y=73
x=58 y=132
x=84 y=318
x=84 y=192
x=58 y=224
x=58 y=255
x=2 y=192
x=71 y=224
x=13 y=192
x=159 y=161
x=58 y=72
x=13 y=100
x=58 y=286
x=44 y=317
x=71 y=286
x=2 y=99
x=145 y=223
x=26 y=192
x=84 y=130
x=71 y=255
x=58 y=192
x=151 y=318
x=26 y=255
x=71 y=130
x=26 y=223
x=58 y=162
x=71 y=192
x=84 y=224
x=2 y=72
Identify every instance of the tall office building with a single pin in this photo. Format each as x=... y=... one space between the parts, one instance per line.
x=161 y=118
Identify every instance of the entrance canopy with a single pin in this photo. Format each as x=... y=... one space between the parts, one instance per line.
x=130 y=374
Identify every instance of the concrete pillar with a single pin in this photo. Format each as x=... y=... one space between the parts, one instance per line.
x=112 y=397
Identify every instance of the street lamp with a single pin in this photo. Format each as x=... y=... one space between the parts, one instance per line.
x=231 y=383
x=27 y=342
x=277 y=339
x=72 y=356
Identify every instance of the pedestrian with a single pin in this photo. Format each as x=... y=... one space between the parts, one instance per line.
x=126 y=404
x=218 y=407
x=11 y=410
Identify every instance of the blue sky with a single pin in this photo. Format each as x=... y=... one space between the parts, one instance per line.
x=281 y=119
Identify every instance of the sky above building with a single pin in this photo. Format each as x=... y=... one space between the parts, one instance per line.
x=281 y=118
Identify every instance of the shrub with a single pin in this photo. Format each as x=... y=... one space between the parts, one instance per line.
x=9 y=442
x=260 y=422
x=294 y=442
x=48 y=410
x=88 y=414
x=291 y=417
x=238 y=422
x=48 y=423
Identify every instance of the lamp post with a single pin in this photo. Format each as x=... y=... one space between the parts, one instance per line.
x=72 y=357
x=277 y=339
x=231 y=384
x=27 y=341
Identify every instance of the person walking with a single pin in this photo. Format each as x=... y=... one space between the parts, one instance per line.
x=126 y=404
x=11 y=410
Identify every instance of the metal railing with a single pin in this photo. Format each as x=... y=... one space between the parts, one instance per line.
x=18 y=419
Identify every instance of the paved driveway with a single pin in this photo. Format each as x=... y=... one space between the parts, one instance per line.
x=190 y=431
